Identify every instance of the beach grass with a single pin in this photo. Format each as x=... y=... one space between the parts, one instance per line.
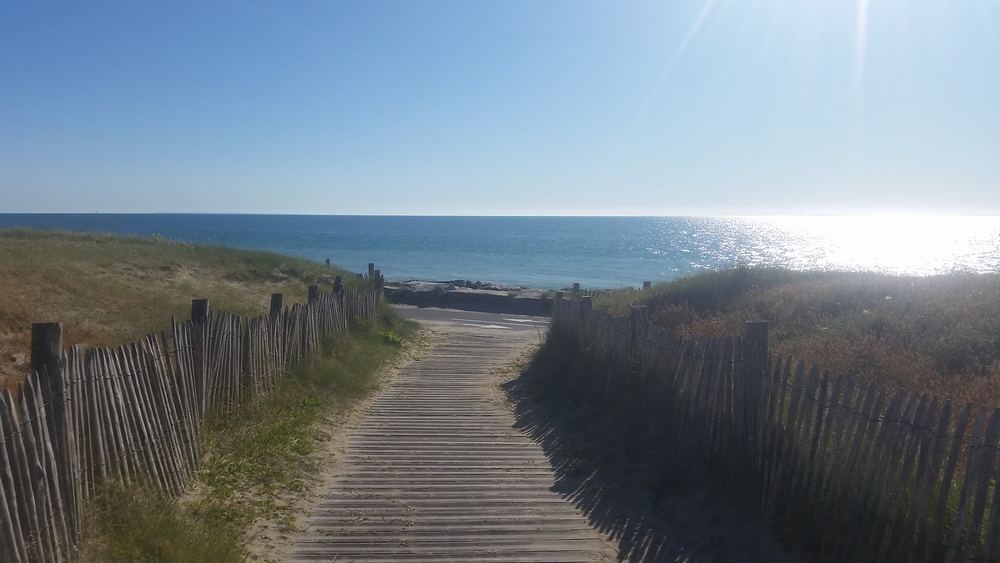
x=108 y=289
x=934 y=334
x=258 y=460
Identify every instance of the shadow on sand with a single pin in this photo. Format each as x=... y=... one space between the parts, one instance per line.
x=653 y=508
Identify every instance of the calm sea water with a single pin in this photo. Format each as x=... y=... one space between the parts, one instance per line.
x=554 y=252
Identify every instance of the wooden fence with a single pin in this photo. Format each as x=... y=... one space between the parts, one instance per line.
x=134 y=412
x=857 y=471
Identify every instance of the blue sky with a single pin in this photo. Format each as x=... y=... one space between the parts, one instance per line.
x=501 y=108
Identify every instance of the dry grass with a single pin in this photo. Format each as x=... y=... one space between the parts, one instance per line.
x=938 y=334
x=109 y=290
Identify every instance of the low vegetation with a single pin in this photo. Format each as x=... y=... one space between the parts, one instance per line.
x=109 y=290
x=937 y=334
x=257 y=461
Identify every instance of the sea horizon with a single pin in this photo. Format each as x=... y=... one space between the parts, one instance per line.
x=553 y=252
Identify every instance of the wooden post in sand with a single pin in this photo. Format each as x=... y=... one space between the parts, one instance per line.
x=313 y=293
x=277 y=304
x=46 y=361
x=647 y=284
x=638 y=324
x=199 y=325
x=199 y=310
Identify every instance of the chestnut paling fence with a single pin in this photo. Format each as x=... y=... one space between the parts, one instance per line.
x=135 y=411
x=859 y=471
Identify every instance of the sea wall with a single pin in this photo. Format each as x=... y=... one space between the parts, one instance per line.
x=448 y=296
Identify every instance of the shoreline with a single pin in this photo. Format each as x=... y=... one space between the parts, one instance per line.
x=470 y=296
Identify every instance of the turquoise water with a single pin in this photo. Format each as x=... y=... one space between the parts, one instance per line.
x=555 y=252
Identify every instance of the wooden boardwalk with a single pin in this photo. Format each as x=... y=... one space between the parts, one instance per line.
x=437 y=472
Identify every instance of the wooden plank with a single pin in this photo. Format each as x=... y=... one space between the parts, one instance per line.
x=986 y=454
x=800 y=470
x=778 y=389
x=73 y=371
x=876 y=462
x=157 y=408
x=97 y=453
x=35 y=473
x=860 y=426
x=788 y=443
x=901 y=522
x=121 y=424
x=172 y=404
x=955 y=543
x=898 y=477
x=935 y=542
x=48 y=463
x=21 y=477
x=933 y=442
x=827 y=451
x=12 y=508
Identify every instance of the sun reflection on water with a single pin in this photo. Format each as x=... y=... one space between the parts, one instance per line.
x=919 y=245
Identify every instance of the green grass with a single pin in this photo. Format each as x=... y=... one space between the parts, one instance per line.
x=108 y=290
x=256 y=459
x=936 y=334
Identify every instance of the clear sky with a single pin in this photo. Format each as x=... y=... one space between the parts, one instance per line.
x=506 y=107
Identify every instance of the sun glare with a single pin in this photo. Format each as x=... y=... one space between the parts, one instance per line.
x=921 y=245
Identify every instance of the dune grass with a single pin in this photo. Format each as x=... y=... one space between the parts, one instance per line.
x=257 y=461
x=937 y=334
x=108 y=290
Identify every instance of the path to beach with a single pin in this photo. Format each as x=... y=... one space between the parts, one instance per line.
x=437 y=470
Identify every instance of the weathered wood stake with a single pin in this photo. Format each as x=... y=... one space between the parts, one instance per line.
x=277 y=304
x=199 y=310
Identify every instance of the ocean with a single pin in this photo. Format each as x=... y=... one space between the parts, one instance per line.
x=555 y=252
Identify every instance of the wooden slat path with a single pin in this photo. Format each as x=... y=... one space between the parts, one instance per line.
x=437 y=472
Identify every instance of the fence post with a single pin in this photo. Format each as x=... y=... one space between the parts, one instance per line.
x=199 y=310
x=46 y=360
x=557 y=302
x=755 y=349
x=338 y=291
x=638 y=320
x=378 y=278
x=576 y=288
x=199 y=324
x=647 y=284
x=754 y=370
x=327 y=262
x=371 y=270
x=277 y=304
x=313 y=293
x=586 y=308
